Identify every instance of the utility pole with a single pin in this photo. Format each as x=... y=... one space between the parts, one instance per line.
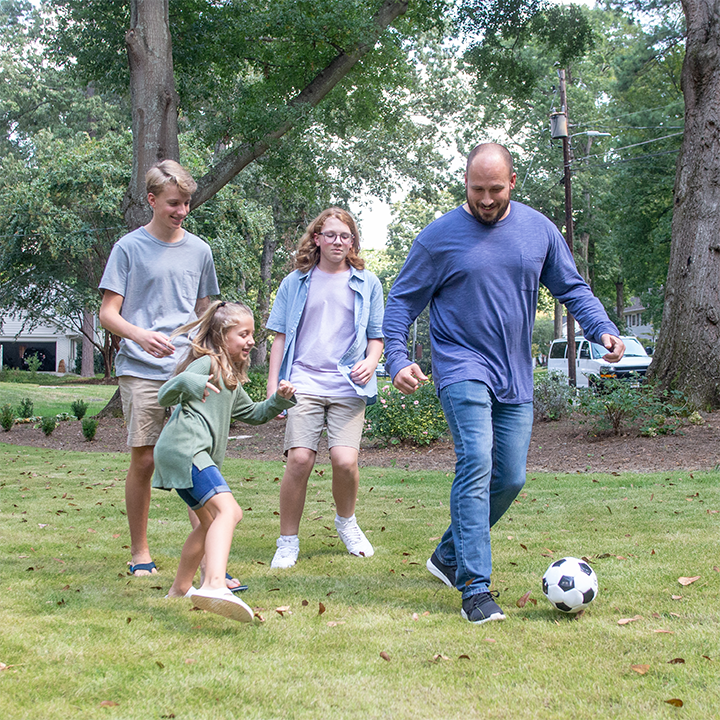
x=568 y=226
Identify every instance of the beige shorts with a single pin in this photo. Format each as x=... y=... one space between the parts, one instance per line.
x=144 y=416
x=344 y=417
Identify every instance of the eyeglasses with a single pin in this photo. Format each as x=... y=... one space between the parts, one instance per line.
x=346 y=238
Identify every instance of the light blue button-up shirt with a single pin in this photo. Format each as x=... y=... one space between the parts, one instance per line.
x=287 y=312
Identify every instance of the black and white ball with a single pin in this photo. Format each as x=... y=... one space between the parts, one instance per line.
x=570 y=584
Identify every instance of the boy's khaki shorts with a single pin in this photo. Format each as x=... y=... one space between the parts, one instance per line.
x=305 y=421
x=144 y=416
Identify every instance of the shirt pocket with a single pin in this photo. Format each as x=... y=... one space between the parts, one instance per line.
x=189 y=285
x=532 y=265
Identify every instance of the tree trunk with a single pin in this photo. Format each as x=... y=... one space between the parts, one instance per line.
x=687 y=355
x=263 y=299
x=154 y=100
x=114 y=407
x=557 y=321
x=87 y=366
x=620 y=301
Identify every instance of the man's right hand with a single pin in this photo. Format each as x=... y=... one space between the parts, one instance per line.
x=409 y=378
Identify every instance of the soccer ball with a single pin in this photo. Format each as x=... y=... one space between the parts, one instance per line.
x=570 y=584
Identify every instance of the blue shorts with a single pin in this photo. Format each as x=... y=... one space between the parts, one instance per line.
x=206 y=483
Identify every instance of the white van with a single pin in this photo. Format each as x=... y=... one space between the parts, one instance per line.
x=589 y=361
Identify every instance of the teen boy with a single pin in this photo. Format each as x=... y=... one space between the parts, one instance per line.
x=327 y=318
x=157 y=278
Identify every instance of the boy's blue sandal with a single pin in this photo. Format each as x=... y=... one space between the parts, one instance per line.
x=237 y=589
x=149 y=566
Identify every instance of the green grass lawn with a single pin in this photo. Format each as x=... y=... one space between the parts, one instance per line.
x=82 y=639
x=51 y=400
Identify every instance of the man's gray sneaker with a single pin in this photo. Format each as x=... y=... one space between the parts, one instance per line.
x=443 y=572
x=481 y=608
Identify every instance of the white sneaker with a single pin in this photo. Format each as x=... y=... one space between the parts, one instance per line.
x=353 y=537
x=223 y=602
x=286 y=554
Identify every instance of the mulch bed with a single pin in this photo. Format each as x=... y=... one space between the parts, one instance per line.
x=564 y=446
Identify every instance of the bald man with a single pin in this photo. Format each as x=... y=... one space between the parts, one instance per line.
x=480 y=267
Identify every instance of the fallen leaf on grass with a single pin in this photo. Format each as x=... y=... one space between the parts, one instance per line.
x=415 y=616
x=108 y=703
x=3 y=666
x=675 y=702
x=159 y=664
x=676 y=661
x=490 y=640
x=438 y=656
x=321 y=609
x=189 y=661
x=625 y=621
x=463 y=657
x=304 y=603
x=674 y=615
x=688 y=580
x=282 y=610
x=661 y=630
x=259 y=617
x=676 y=597
x=385 y=656
x=335 y=623
x=640 y=669
x=525 y=599
x=707 y=658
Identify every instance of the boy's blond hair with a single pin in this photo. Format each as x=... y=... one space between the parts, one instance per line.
x=169 y=171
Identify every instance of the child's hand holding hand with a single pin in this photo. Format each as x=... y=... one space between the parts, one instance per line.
x=208 y=387
x=285 y=390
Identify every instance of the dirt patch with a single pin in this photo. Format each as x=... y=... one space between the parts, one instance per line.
x=564 y=446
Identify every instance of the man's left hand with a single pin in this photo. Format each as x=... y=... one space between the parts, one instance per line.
x=615 y=345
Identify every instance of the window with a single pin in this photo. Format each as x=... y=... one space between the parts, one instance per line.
x=557 y=350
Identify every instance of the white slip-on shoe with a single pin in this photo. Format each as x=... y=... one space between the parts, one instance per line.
x=223 y=602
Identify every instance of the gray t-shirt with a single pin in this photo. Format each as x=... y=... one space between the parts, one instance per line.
x=160 y=283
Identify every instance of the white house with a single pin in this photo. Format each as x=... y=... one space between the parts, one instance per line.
x=52 y=343
x=636 y=323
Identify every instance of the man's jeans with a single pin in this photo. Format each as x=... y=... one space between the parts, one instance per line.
x=491 y=445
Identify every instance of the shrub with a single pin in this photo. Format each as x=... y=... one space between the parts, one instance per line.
x=89 y=428
x=614 y=404
x=25 y=408
x=33 y=362
x=417 y=418
x=256 y=386
x=7 y=417
x=48 y=423
x=553 y=397
x=79 y=408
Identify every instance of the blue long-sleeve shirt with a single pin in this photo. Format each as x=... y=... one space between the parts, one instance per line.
x=482 y=284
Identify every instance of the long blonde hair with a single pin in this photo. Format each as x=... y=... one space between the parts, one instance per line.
x=308 y=253
x=209 y=340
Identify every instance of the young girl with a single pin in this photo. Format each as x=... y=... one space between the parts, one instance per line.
x=327 y=317
x=189 y=453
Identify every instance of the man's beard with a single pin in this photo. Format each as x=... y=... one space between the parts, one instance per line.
x=494 y=219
